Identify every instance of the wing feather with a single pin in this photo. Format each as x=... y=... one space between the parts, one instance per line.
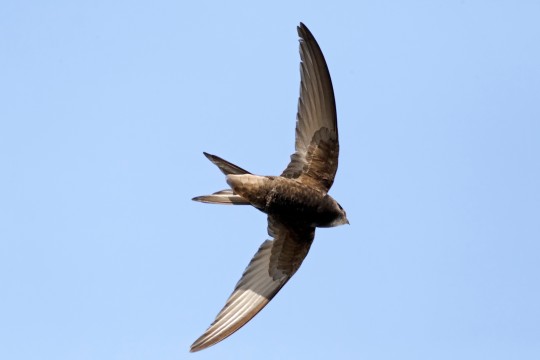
x=315 y=159
x=273 y=265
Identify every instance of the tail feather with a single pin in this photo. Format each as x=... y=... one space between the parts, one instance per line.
x=223 y=197
x=227 y=196
x=225 y=166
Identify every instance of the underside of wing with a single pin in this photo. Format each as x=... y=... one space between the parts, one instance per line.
x=273 y=265
x=315 y=159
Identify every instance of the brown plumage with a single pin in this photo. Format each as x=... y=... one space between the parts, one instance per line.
x=296 y=202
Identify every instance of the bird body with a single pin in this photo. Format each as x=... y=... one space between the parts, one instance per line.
x=288 y=200
x=296 y=202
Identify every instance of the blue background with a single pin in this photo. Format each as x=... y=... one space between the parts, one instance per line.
x=106 y=108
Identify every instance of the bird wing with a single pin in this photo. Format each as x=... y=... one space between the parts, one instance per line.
x=273 y=265
x=315 y=160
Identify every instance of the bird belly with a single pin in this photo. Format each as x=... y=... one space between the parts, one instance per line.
x=288 y=200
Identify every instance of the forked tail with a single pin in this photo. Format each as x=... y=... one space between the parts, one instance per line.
x=227 y=196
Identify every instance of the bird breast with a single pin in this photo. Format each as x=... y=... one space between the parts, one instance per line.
x=287 y=199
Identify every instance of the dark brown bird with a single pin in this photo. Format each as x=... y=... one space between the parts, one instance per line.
x=296 y=202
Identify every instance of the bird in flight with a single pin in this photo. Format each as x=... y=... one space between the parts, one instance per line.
x=296 y=202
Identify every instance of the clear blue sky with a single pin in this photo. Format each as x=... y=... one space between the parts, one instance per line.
x=106 y=108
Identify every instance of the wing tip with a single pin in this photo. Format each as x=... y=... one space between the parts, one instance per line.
x=303 y=32
x=196 y=347
x=201 y=343
x=207 y=340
